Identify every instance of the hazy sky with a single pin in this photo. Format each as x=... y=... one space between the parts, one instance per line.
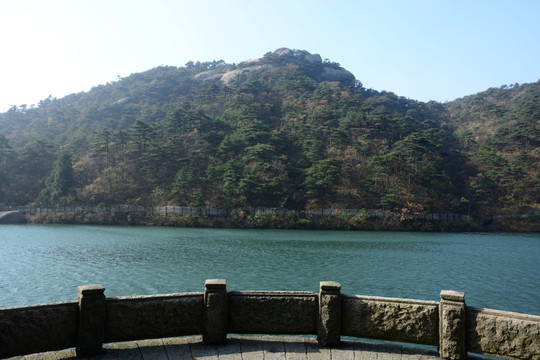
x=425 y=50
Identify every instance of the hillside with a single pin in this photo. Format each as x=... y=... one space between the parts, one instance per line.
x=499 y=131
x=289 y=130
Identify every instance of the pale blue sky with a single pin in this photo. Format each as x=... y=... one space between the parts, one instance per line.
x=421 y=49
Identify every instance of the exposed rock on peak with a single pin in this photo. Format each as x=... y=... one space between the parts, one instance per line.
x=313 y=58
x=310 y=58
x=209 y=75
x=341 y=75
x=323 y=71
x=283 y=51
x=244 y=72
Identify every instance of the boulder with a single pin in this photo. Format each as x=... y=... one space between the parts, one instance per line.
x=313 y=58
x=12 y=217
x=283 y=51
x=310 y=58
x=244 y=72
x=205 y=74
x=343 y=76
x=122 y=101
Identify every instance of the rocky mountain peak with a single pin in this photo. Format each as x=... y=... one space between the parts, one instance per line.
x=324 y=71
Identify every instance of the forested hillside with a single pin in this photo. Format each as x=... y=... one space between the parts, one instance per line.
x=289 y=130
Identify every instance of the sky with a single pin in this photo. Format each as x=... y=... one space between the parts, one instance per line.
x=421 y=49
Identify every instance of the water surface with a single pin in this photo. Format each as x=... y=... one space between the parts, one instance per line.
x=46 y=263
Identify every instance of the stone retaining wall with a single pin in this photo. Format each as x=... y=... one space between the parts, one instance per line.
x=228 y=213
x=94 y=319
x=12 y=217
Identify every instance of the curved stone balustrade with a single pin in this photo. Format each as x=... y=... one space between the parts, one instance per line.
x=93 y=320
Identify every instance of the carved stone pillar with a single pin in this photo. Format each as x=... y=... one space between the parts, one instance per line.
x=215 y=311
x=329 y=322
x=452 y=325
x=92 y=308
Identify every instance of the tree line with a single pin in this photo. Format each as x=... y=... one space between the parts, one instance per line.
x=278 y=138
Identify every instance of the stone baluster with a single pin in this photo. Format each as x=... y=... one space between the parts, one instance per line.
x=92 y=308
x=329 y=322
x=452 y=325
x=215 y=311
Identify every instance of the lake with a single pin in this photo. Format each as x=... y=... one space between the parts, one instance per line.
x=46 y=263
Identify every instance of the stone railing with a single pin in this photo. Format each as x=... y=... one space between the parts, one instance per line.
x=93 y=319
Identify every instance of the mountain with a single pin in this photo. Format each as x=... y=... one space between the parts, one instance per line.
x=288 y=130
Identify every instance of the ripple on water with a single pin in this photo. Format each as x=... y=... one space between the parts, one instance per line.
x=47 y=263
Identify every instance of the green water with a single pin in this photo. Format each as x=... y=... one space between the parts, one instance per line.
x=46 y=263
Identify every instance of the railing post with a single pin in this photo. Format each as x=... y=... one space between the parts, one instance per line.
x=215 y=311
x=452 y=325
x=329 y=322
x=92 y=307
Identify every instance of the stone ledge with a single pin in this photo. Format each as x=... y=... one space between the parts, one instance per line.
x=452 y=295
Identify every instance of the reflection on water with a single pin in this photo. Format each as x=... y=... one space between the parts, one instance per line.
x=47 y=263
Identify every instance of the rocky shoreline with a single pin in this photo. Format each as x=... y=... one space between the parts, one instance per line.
x=259 y=221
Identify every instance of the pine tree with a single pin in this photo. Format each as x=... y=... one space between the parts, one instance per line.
x=60 y=181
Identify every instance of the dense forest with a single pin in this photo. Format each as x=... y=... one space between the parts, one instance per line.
x=289 y=130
